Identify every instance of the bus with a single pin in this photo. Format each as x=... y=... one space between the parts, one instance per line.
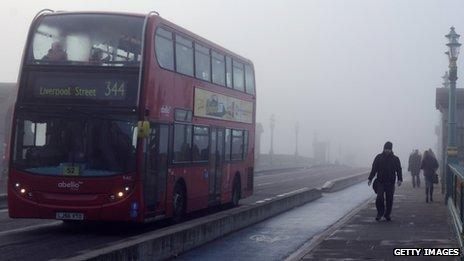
x=128 y=117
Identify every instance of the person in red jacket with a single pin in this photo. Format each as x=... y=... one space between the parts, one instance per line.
x=386 y=167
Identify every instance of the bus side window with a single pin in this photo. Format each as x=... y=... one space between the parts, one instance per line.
x=218 y=68
x=184 y=55
x=228 y=145
x=202 y=63
x=245 y=143
x=200 y=143
x=164 y=48
x=238 y=76
x=249 y=80
x=182 y=143
x=237 y=145
x=229 y=72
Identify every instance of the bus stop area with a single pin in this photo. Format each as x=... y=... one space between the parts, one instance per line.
x=415 y=224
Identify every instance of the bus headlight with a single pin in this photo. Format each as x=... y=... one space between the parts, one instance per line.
x=121 y=193
x=22 y=190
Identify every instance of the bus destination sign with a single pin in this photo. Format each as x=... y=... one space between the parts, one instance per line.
x=82 y=88
x=95 y=90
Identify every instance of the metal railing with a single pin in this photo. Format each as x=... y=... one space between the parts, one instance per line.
x=455 y=199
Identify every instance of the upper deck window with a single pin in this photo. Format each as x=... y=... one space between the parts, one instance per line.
x=184 y=55
x=87 y=39
x=164 y=48
x=219 y=72
x=239 y=82
x=229 y=72
x=249 y=79
x=202 y=63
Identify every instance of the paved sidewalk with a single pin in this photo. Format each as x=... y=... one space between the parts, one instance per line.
x=414 y=224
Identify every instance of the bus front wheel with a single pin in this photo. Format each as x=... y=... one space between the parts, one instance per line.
x=178 y=204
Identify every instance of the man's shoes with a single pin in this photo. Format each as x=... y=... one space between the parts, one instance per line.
x=388 y=219
x=427 y=200
x=378 y=218
x=431 y=199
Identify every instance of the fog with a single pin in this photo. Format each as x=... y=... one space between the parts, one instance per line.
x=357 y=73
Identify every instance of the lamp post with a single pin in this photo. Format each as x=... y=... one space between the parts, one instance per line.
x=453 y=52
x=297 y=129
x=446 y=85
x=272 y=125
x=445 y=78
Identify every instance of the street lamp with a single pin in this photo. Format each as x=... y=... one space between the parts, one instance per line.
x=297 y=129
x=453 y=44
x=453 y=53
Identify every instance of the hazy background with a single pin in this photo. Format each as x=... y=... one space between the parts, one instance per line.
x=356 y=72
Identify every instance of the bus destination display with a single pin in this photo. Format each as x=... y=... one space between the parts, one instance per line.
x=82 y=88
x=93 y=89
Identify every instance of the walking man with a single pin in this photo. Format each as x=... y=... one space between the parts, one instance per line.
x=386 y=166
x=414 y=167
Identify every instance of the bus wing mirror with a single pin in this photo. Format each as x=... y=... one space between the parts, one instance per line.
x=143 y=128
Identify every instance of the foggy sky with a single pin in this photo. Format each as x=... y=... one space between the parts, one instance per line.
x=356 y=72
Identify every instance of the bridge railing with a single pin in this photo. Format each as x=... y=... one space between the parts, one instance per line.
x=455 y=197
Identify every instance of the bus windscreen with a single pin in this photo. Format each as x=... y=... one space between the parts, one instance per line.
x=77 y=145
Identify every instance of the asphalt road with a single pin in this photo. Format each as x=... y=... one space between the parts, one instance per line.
x=26 y=239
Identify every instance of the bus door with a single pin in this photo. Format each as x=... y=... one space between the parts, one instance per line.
x=216 y=165
x=156 y=168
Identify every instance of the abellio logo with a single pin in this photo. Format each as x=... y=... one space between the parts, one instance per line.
x=73 y=185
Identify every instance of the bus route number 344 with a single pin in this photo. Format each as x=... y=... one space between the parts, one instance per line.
x=115 y=88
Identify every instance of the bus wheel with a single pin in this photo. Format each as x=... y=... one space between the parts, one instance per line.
x=236 y=191
x=178 y=204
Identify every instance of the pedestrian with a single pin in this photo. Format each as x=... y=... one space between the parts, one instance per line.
x=386 y=167
x=429 y=165
x=414 y=167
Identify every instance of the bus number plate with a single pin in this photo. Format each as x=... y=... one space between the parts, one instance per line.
x=69 y=216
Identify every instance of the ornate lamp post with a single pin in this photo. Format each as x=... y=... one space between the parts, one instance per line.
x=453 y=52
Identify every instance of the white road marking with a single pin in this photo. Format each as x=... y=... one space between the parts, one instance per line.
x=268 y=239
x=3 y=210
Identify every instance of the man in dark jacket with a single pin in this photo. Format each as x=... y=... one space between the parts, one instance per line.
x=414 y=167
x=386 y=166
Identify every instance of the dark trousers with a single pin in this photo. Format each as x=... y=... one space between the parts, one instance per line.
x=428 y=189
x=416 y=180
x=384 y=193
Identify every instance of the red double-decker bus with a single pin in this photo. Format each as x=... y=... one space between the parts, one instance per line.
x=126 y=117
